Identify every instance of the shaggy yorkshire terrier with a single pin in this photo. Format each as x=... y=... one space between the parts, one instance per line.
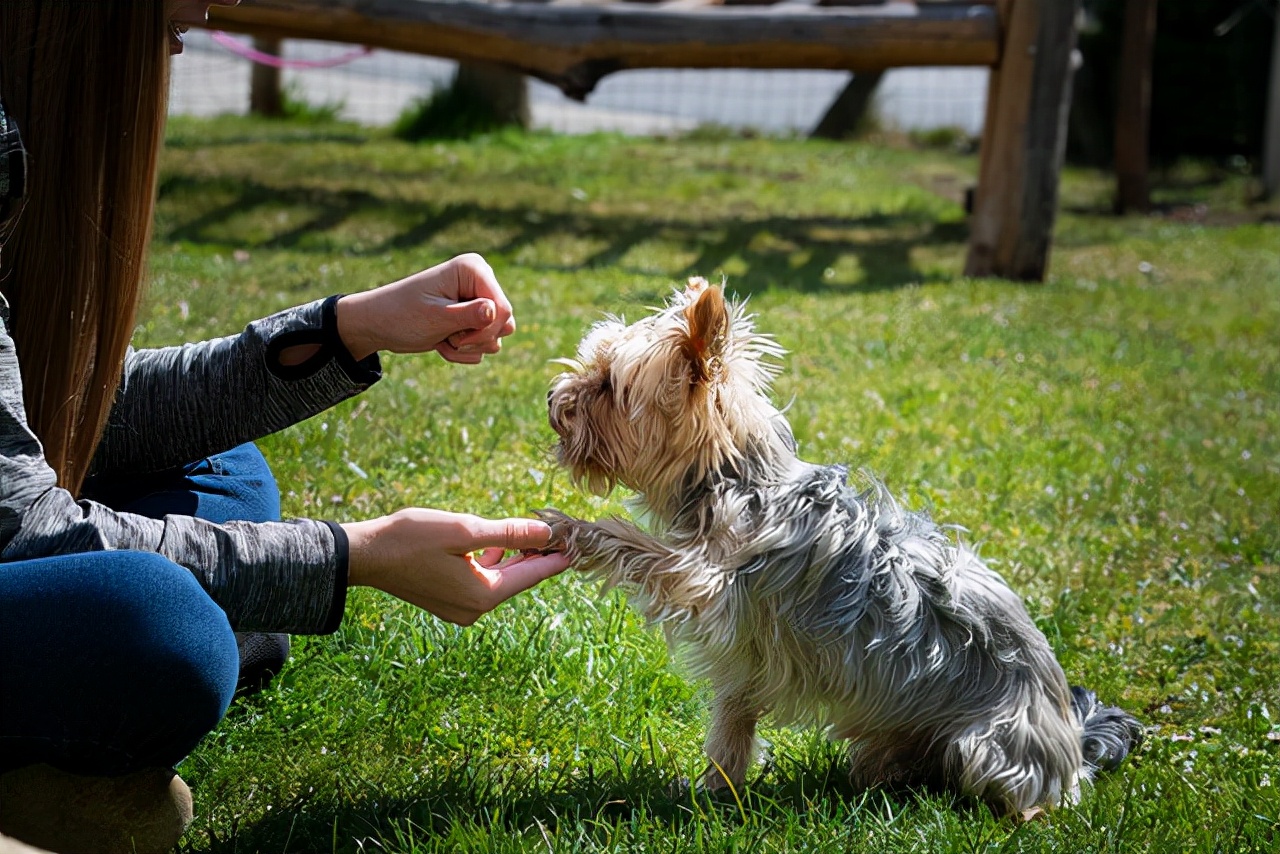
x=799 y=596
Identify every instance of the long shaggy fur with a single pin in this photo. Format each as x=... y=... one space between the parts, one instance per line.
x=798 y=595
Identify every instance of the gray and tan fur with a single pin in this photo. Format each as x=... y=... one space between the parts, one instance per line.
x=798 y=596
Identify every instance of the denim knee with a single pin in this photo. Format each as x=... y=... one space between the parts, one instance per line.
x=188 y=636
x=233 y=485
x=111 y=661
x=252 y=483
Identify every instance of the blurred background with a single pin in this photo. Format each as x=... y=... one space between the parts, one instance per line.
x=378 y=87
x=1207 y=66
x=1208 y=95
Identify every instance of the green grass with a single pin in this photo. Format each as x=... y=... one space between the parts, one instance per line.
x=1111 y=438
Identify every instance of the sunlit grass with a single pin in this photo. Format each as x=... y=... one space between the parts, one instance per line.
x=1109 y=438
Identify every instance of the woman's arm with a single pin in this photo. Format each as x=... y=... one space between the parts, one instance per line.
x=450 y=564
x=274 y=576
x=283 y=576
x=180 y=404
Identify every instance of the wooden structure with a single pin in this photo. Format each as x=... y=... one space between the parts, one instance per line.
x=573 y=44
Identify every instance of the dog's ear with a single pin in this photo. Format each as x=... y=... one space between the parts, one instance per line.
x=708 y=319
x=693 y=286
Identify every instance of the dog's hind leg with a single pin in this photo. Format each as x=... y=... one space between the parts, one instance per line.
x=731 y=741
x=1033 y=761
x=893 y=761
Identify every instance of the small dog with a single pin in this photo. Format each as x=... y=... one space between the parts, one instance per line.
x=799 y=596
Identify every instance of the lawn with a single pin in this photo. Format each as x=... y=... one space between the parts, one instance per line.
x=1111 y=438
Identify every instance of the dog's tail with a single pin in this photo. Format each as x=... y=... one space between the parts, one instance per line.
x=1110 y=734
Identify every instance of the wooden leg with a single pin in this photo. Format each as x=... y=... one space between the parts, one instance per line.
x=266 y=98
x=1271 y=142
x=849 y=108
x=1133 y=110
x=504 y=92
x=1024 y=140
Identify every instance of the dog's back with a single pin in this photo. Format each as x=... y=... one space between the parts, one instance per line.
x=842 y=609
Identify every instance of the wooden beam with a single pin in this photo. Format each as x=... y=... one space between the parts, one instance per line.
x=574 y=47
x=1023 y=142
x=884 y=2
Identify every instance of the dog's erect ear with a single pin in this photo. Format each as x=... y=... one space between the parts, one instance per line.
x=694 y=285
x=708 y=318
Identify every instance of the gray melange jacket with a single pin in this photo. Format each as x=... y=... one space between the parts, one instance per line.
x=177 y=405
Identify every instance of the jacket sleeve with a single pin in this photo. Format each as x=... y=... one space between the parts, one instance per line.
x=275 y=576
x=181 y=404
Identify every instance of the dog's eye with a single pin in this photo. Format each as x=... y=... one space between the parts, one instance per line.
x=606 y=384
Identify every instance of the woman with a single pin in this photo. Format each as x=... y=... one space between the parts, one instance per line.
x=124 y=565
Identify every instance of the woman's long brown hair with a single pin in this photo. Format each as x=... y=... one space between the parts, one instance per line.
x=87 y=84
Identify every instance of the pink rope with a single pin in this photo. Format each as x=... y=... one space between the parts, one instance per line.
x=278 y=62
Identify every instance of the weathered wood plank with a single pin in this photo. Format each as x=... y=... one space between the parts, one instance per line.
x=574 y=47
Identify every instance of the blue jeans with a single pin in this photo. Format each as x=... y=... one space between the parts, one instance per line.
x=115 y=661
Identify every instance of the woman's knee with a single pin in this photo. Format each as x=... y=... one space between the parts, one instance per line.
x=121 y=651
x=242 y=488
x=185 y=633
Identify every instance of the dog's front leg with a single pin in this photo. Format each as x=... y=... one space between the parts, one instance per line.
x=611 y=547
x=673 y=582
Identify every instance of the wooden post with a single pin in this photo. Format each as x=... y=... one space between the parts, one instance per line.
x=849 y=107
x=1271 y=138
x=265 y=96
x=1023 y=142
x=504 y=92
x=1133 y=106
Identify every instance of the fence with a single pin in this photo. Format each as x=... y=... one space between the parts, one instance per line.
x=208 y=80
x=574 y=44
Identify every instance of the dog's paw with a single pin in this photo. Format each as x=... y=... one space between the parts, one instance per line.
x=713 y=785
x=684 y=789
x=563 y=528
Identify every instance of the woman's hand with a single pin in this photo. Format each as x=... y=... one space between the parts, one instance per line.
x=456 y=308
x=425 y=558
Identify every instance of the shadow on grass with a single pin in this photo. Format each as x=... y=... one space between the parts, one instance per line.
x=816 y=254
x=1200 y=194
x=478 y=803
x=288 y=132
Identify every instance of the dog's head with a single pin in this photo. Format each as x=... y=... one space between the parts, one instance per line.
x=658 y=404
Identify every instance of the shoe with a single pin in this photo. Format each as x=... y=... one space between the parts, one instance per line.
x=141 y=813
x=9 y=845
x=262 y=656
